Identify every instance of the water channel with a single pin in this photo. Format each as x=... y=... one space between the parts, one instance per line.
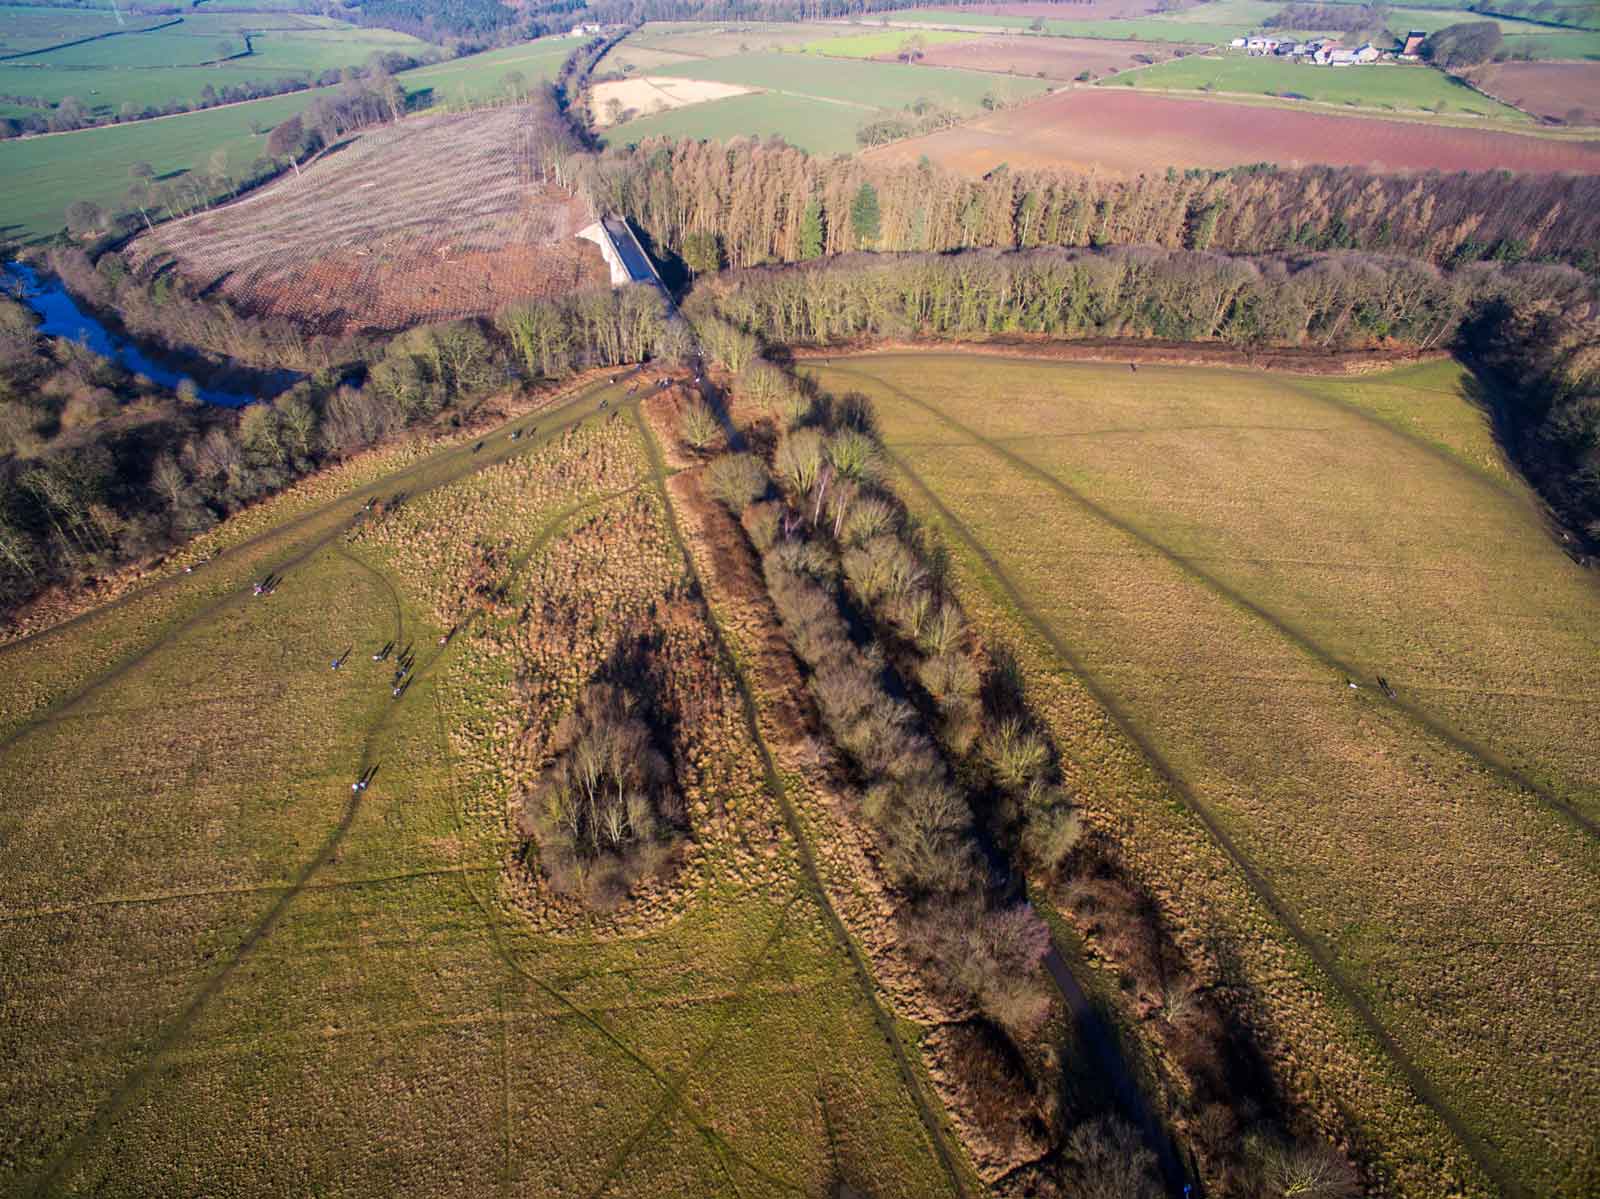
x=60 y=316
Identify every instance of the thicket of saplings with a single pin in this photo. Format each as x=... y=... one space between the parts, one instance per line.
x=770 y=203
x=99 y=468
x=1533 y=329
x=607 y=812
x=957 y=776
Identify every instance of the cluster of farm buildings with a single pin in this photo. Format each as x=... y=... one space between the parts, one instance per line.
x=1327 y=52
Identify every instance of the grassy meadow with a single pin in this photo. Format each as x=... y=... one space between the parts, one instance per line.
x=176 y=62
x=1211 y=557
x=223 y=968
x=1407 y=88
x=888 y=41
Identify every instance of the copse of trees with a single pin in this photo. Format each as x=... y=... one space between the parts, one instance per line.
x=771 y=203
x=606 y=813
x=1465 y=45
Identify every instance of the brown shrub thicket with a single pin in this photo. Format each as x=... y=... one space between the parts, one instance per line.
x=606 y=813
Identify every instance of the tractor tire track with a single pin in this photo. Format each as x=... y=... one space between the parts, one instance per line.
x=773 y=782
x=497 y=944
x=169 y=1037
x=551 y=529
x=672 y=1098
x=206 y=611
x=1487 y=758
x=1483 y=1155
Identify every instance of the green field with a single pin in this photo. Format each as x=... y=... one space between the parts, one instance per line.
x=812 y=102
x=1199 y=30
x=221 y=965
x=871 y=45
x=1216 y=554
x=1379 y=86
x=869 y=84
x=476 y=78
x=25 y=28
x=176 y=63
x=42 y=175
x=816 y=126
x=1216 y=24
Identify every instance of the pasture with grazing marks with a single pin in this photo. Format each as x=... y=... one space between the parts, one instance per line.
x=1221 y=553
x=385 y=233
x=220 y=963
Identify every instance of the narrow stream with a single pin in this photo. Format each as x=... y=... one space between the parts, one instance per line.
x=60 y=316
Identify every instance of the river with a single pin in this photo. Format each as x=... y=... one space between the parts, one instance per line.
x=60 y=316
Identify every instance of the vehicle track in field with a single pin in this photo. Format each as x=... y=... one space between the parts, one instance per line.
x=773 y=783
x=46 y=1181
x=1436 y=728
x=553 y=526
x=453 y=457
x=1484 y=1156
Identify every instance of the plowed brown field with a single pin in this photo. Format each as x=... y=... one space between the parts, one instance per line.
x=1049 y=58
x=1126 y=133
x=1567 y=91
x=432 y=219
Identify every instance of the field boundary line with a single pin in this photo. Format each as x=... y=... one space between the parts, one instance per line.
x=1580 y=821
x=1486 y=1158
x=773 y=782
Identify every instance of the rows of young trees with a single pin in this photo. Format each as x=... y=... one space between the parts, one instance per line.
x=769 y=202
x=83 y=490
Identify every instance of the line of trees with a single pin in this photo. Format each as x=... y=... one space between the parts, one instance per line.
x=1330 y=301
x=962 y=787
x=770 y=203
x=83 y=490
x=1533 y=330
